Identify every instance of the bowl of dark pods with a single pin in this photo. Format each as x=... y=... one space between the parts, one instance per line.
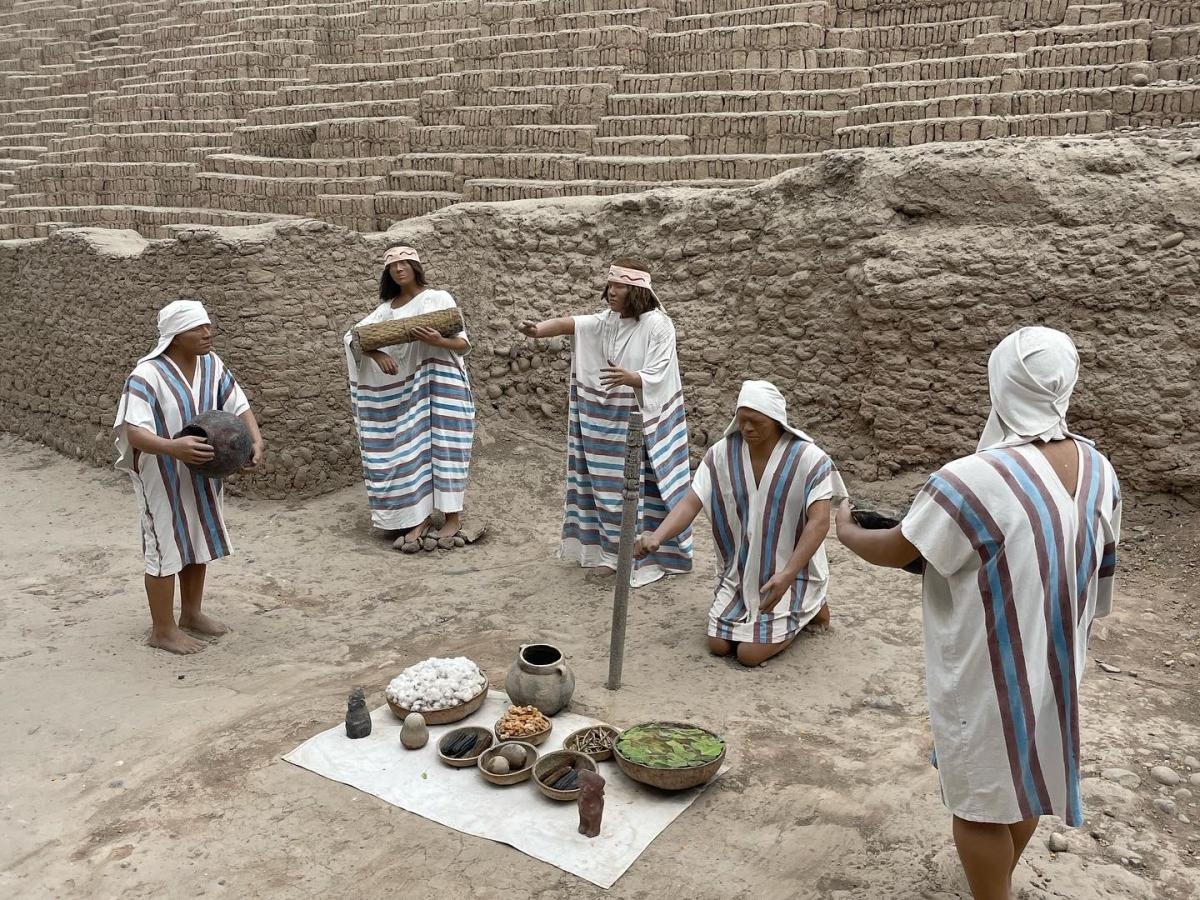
x=877 y=519
x=557 y=774
x=462 y=747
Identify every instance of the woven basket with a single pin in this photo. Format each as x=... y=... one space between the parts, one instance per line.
x=445 y=322
x=443 y=716
x=670 y=779
x=552 y=761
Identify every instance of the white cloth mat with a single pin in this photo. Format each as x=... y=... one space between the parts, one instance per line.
x=519 y=815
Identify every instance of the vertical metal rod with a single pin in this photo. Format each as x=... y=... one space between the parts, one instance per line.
x=632 y=492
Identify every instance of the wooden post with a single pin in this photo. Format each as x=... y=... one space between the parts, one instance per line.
x=634 y=442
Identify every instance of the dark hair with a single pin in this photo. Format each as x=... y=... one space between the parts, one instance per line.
x=389 y=290
x=641 y=300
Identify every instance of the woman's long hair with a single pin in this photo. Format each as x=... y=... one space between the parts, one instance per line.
x=641 y=300
x=389 y=290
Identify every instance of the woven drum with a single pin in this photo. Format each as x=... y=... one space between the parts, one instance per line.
x=446 y=322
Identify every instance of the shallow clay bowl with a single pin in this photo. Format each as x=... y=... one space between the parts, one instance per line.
x=520 y=775
x=573 y=739
x=671 y=779
x=552 y=761
x=535 y=739
x=443 y=716
x=450 y=736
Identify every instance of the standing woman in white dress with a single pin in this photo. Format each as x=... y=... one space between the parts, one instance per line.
x=414 y=412
x=624 y=358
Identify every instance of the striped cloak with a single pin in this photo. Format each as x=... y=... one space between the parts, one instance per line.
x=182 y=515
x=415 y=428
x=597 y=428
x=756 y=528
x=1016 y=571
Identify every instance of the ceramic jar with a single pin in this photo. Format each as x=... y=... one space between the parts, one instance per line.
x=230 y=438
x=540 y=677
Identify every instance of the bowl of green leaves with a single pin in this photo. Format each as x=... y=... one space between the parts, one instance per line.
x=672 y=756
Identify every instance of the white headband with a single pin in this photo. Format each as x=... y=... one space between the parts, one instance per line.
x=400 y=254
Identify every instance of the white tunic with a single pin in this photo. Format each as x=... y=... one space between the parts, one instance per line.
x=597 y=427
x=756 y=528
x=415 y=428
x=1016 y=570
x=182 y=513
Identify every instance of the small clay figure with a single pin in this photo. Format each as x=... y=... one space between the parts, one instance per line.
x=591 y=802
x=358 y=719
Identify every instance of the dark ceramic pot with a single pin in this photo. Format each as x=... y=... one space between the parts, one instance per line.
x=881 y=519
x=230 y=439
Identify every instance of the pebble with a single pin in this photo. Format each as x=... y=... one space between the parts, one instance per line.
x=1123 y=777
x=1189 y=658
x=1165 y=775
x=1160 y=747
x=1058 y=843
x=1183 y=794
x=1184 y=819
x=1165 y=806
x=880 y=703
x=1191 y=762
x=1194 y=779
x=1111 y=670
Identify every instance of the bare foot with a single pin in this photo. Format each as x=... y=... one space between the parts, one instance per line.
x=202 y=624
x=414 y=534
x=175 y=641
x=449 y=528
x=820 y=622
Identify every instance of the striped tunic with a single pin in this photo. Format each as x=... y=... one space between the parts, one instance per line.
x=597 y=428
x=415 y=428
x=1017 y=569
x=756 y=528
x=182 y=515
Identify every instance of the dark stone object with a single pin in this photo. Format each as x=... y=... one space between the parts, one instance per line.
x=876 y=520
x=229 y=437
x=358 y=718
x=591 y=802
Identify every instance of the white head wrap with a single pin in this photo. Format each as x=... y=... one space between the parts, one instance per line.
x=400 y=254
x=1031 y=375
x=633 y=278
x=175 y=318
x=764 y=397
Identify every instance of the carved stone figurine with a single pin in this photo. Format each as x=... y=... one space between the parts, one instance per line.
x=591 y=802
x=358 y=718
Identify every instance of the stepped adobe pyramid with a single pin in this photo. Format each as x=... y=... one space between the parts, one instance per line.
x=150 y=114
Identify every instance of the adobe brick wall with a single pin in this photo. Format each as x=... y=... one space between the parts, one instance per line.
x=870 y=287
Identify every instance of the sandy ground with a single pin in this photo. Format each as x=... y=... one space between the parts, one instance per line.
x=132 y=773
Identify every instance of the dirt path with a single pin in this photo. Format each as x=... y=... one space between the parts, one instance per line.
x=135 y=774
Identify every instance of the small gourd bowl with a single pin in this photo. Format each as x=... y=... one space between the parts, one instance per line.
x=522 y=774
x=552 y=761
x=576 y=737
x=535 y=739
x=451 y=736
